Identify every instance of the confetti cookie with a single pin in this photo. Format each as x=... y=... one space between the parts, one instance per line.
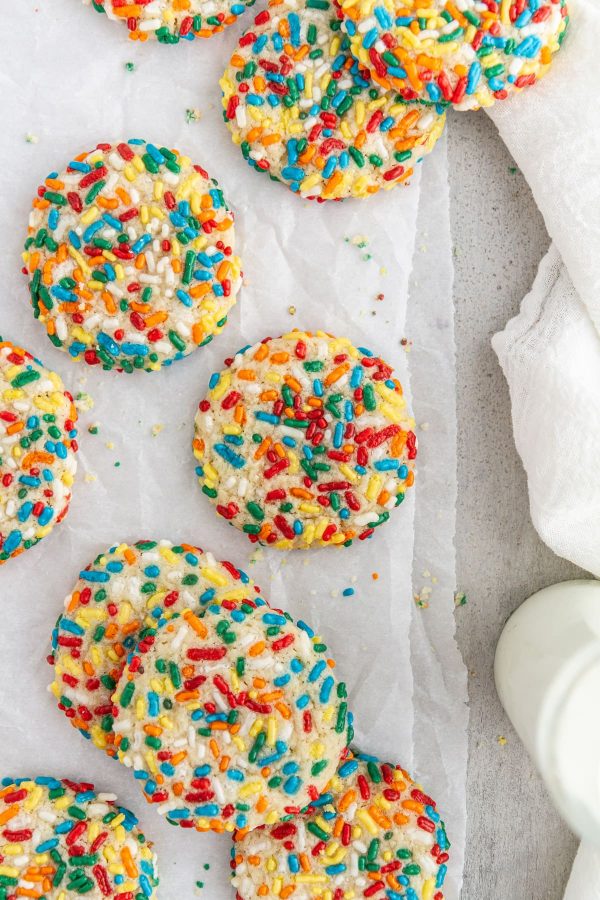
x=232 y=720
x=304 y=111
x=171 y=21
x=130 y=257
x=37 y=450
x=467 y=53
x=305 y=439
x=116 y=601
x=372 y=833
x=60 y=840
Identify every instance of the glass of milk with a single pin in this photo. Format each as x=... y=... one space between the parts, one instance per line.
x=547 y=671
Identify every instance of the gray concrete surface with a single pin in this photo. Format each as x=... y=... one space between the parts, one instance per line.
x=517 y=847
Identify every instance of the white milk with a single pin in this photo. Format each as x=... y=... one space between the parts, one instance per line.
x=547 y=672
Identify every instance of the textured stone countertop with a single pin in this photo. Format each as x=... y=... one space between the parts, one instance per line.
x=517 y=847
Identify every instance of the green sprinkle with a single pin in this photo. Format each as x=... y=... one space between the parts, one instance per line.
x=127 y=694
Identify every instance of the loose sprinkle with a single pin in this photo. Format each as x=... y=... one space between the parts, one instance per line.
x=305 y=112
x=38 y=443
x=372 y=833
x=305 y=439
x=466 y=54
x=460 y=599
x=118 y=598
x=130 y=67
x=129 y=257
x=232 y=719
x=63 y=840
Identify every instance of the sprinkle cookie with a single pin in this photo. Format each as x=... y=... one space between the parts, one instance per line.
x=130 y=257
x=171 y=21
x=61 y=840
x=232 y=720
x=38 y=443
x=468 y=53
x=303 y=110
x=305 y=439
x=116 y=601
x=373 y=832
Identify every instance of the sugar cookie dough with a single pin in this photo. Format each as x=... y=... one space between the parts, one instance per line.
x=232 y=720
x=305 y=440
x=468 y=54
x=38 y=443
x=373 y=833
x=60 y=840
x=306 y=113
x=130 y=257
x=116 y=601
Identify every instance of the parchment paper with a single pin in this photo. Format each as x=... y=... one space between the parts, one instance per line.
x=65 y=85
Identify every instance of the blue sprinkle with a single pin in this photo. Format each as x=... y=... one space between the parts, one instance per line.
x=473 y=77
x=292 y=785
x=371 y=37
x=130 y=349
x=326 y=689
x=96 y=577
x=107 y=343
x=141 y=242
x=317 y=670
x=267 y=417
x=73 y=627
x=226 y=453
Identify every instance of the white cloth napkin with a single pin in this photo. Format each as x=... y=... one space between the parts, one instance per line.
x=584 y=883
x=550 y=352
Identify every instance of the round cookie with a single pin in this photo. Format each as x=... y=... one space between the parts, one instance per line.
x=130 y=257
x=305 y=112
x=61 y=840
x=468 y=54
x=305 y=440
x=373 y=832
x=38 y=443
x=171 y=21
x=232 y=720
x=117 y=600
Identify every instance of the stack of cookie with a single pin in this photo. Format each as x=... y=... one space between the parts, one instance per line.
x=231 y=718
x=341 y=100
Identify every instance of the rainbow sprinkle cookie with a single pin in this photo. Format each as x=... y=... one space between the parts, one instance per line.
x=232 y=720
x=37 y=450
x=117 y=600
x=171 y=21
x=130 y=257
x=304 y=111
x=373 y=833
x=60 y=840
x=468 y=53
x=305 y=439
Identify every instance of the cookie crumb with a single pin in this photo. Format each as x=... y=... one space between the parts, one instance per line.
x=83 y=402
